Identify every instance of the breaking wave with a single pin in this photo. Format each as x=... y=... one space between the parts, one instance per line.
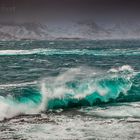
x=40 y=51
x=74 y=88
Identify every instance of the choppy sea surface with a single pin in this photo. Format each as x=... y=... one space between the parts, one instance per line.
x=70 y=90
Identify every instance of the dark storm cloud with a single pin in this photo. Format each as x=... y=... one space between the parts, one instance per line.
x=38 y=10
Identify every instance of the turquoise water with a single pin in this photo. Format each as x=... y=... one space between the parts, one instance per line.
x=95 y=80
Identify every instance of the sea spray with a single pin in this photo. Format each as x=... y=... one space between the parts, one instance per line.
x=86 y=91
x=73 y=88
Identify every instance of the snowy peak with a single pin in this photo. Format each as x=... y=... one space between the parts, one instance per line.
x=87 y=29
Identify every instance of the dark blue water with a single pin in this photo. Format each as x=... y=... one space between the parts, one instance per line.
x=90 y=82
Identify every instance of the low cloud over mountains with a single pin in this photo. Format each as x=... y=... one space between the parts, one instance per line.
x=77 y=30
x=67 y=19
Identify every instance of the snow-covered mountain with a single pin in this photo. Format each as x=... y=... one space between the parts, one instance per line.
x=10 y=31
x=78 y=30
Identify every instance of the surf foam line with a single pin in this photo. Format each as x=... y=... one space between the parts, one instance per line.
x=41 y=51
x=17 y=85
x=73 y=88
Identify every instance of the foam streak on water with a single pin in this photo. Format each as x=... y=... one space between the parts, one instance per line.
x=40 y=51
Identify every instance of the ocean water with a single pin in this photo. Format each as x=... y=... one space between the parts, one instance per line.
x=70 y=89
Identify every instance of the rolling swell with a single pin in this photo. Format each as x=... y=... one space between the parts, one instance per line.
x=50 y=52
x=72 y=89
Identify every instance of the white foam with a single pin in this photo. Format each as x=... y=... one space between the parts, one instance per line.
x=121 y=110
x=45 y=51
x=9 y=108
x=17 y=84
x=126 y=68
x=122 y=68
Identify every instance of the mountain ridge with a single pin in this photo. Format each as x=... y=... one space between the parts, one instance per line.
x=74 y=30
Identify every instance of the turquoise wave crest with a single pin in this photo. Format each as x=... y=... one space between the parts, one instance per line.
x=74 y=88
